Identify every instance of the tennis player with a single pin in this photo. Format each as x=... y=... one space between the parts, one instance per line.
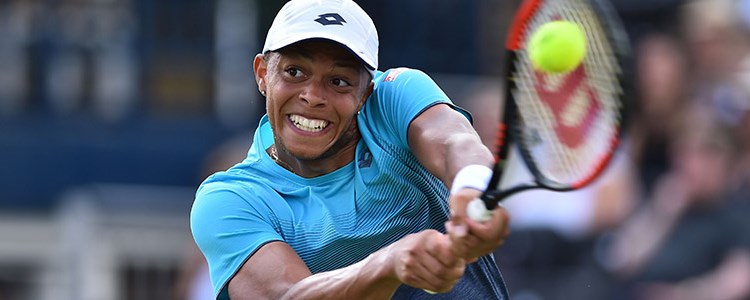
x=344 y=193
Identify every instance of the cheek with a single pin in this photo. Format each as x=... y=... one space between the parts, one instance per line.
x=270 y=107
x=347 y=108
x=274 y=91
x=273 y=109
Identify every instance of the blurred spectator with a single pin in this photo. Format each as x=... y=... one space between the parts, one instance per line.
x=15 y=29
x=742 y=168
x=687 y=239
x=718 y=43
x=662 y=71
x=193 y=282
x=686 y=242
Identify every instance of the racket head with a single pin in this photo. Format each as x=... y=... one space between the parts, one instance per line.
x=567 y=126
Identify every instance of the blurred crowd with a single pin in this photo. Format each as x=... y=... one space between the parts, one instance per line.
x=668 y=220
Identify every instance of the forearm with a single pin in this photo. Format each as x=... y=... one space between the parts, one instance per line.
x=370 y=278
x=462 y=150
x=444 y=142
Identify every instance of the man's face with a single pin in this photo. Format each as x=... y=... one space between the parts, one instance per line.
x=313 y=93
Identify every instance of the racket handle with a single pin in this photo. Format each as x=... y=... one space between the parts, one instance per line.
x=478 y=211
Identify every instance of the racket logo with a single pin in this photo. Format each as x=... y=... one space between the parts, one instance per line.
x=571 y=124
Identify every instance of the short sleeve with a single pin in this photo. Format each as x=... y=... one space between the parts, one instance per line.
x=400 y=95
x=229 y=226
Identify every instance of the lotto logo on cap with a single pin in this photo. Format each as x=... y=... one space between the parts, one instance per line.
x=330 y=19
x=341 y=21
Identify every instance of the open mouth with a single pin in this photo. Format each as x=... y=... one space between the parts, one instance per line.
x=308 y=125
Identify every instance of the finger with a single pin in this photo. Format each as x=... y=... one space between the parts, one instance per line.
x=430 y=275
x=458 y=243
x=442 y=279
x=458 y=216
x=441 y=263
x=482 y=237
x=458 y=203
x=495 y=233
x=502 y=214
x=414 y=279
x=441 y=249
x=426 y=268
x=465 y=246
x=439 y=273
x=446 y=286
x=410 y=270
x=505 y=221
x=492 y=229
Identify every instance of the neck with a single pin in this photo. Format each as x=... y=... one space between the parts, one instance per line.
x=337 y=156
x=309 y=168
x=274 y=154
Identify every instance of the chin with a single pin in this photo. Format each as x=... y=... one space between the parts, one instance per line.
x=305 y=153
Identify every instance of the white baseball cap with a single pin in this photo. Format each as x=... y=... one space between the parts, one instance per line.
x=341 y=21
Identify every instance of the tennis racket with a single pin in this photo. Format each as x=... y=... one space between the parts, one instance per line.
x=566 y=125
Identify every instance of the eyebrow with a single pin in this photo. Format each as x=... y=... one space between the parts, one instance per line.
x=296 y=51
x=338 y=63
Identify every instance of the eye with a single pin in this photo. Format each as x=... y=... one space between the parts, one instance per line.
x=294 y=72
x=338 y=82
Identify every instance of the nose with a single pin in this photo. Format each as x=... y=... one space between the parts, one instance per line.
x=314 y=94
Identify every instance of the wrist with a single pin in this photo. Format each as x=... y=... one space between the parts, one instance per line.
x=472 y=176
x=381 y=264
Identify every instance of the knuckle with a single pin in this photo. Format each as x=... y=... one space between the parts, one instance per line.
x=408 y=261
x=410 y=278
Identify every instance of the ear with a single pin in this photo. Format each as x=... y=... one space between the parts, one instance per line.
x=260 y=67
x=368 y=92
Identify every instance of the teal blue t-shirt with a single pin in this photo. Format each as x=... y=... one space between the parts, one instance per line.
x=334 y=220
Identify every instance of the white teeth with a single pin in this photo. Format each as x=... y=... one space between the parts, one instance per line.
x=308 y=124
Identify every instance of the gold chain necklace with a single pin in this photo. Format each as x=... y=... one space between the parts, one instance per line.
x=275 y=157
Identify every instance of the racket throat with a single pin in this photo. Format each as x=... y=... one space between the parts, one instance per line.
x=492 y=198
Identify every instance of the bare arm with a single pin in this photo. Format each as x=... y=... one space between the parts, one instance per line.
x=444 y=142
x=422 y=260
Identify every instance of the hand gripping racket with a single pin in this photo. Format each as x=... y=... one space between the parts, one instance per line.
x=566 y=125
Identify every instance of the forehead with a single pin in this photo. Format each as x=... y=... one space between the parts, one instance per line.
x=318 y=50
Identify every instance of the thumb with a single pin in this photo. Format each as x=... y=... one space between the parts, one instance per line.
x=458 y=203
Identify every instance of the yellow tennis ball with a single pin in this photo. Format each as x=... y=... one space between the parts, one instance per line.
x=557 y=47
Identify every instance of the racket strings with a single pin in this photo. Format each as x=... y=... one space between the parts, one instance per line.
x=571 y=120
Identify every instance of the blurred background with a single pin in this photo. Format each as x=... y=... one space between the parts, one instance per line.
x=113 y=111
